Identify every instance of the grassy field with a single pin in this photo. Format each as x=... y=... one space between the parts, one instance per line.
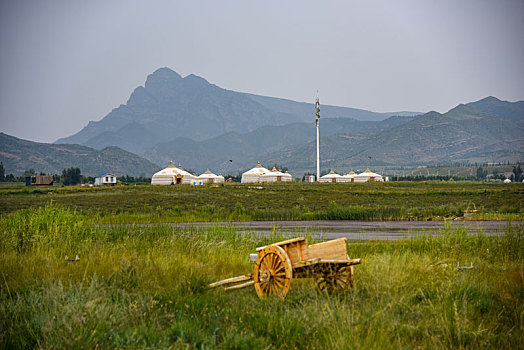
x=138 y=286
x=145 y=287
x=285 y=201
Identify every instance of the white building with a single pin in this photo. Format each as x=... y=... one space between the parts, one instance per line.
x=368 y=176
x=105 y=179
x=172 y=176
x=309 y=178
x=276 y=176
x=349 y=177
x=331 y=177
x=209 y=177
x=253 y=175
x=507 y=181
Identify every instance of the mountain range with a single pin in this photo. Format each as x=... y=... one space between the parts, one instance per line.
x=200 y=125
x=463 y=134
x=169 y=106
x=19 y=155
x=232 y=151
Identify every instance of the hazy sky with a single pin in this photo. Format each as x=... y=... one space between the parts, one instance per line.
x=65 y=62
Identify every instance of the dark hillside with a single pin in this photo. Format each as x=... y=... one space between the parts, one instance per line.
x=19 y=155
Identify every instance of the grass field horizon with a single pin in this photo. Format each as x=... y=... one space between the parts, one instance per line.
x=432 y=200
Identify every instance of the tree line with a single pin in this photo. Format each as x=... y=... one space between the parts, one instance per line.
x=69 y=176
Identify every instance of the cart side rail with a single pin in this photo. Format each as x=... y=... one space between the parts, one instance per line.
x=332 y=250
x=296 y=249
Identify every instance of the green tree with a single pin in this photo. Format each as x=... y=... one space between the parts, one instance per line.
x=72 y=176
x=56 y=178
x=517 y=171
x=481 y=173
x=2 y=172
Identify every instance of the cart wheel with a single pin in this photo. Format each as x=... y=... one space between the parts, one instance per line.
x=337 y=277
x=273 y=272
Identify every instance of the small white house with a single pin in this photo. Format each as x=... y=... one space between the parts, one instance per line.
x=253 y=175
x=276 y=176
x=368 y=176
x=172 y=176
x=309 y=178
x=349 y=177
x=331 y=177
x=209 y=177
x=105 y=179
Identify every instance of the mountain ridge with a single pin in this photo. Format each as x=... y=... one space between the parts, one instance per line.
x=170 y=106
x=223 y=153
x=19 y=155
x=462 y=134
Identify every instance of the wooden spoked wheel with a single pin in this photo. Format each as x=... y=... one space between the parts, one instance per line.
x=335 y=277
x=273 y=272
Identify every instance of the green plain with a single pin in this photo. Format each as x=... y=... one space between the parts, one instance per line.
x=145 y=286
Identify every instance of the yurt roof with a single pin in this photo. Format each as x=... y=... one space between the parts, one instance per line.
x=330 y=175
x=208 y=175
x=258 y=170
x=172 y=170
x=350 y=174
x=275 y=172
x=368 y=173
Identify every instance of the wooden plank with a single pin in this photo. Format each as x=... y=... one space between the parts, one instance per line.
x=243 y=285
x=334 y=249
x=231 y=280
x=315 y=261
x=293 y=240
x=296 y=251
x=348 y=262
x=295 y=248
x=306 y=263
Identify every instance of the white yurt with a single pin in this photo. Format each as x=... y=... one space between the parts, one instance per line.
x=331 y=177
x=349 y=177
x=507 y=181
x=253 y=175
x=209 y=177
x=172 y=176
x=276 y=176
x=368 y=176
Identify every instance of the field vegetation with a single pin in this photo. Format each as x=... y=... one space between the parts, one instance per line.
x=136 y=286
x=286 y=201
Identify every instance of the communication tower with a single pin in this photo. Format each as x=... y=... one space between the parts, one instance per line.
x=317 y=113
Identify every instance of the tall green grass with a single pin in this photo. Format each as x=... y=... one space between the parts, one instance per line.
x=145 y=287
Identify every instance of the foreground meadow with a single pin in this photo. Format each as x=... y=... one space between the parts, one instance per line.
x=145 y=287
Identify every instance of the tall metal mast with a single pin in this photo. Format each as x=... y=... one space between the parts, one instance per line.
x=317 y=109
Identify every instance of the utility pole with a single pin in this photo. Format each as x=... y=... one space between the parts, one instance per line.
x=317 y=110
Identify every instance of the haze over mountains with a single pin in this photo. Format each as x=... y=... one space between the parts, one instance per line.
x=169 y=106
x=201 y=125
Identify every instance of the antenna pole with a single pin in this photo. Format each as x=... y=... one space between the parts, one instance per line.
x=317 y=110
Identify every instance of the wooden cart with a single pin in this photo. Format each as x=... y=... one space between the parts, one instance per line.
x=277 y=264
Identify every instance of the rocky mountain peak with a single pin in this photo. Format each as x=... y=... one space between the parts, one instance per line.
x=163 y=79
x=164 y=73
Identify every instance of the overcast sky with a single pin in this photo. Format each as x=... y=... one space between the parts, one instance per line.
x=66 y=62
